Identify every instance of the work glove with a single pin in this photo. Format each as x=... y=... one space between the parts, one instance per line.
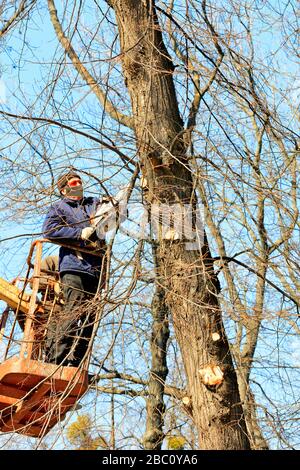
x=87 y=232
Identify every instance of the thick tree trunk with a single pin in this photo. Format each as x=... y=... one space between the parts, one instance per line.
x=188 y=276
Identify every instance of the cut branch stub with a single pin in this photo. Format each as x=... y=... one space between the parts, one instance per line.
x=211 y=375
x=216 y=336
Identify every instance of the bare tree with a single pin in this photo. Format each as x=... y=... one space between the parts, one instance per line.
x=209 y=116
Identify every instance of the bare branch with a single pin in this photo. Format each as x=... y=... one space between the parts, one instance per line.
x=84 y=73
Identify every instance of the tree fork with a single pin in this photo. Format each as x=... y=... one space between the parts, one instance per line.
x=188 y=276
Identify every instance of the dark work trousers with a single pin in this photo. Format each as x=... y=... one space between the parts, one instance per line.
x=69 y=333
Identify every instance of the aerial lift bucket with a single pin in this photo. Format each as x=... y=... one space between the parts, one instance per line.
x=34 y=395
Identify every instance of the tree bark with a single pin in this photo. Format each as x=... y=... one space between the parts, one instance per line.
x=154 y=435
x=188 y=276
x=258 y=442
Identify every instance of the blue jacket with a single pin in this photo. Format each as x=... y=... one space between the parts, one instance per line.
x=65 y=220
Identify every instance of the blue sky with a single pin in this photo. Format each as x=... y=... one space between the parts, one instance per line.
x=32 y=71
